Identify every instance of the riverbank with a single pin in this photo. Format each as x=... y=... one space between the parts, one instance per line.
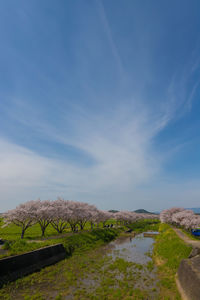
x=69 y=240
x=187 y=238
x=121 y=269
x=44 y=284
x=168 y=252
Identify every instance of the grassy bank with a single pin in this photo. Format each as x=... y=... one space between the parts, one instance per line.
x=145 y=225
x=13 y=232
x=190 y=235
x=168 y=252
x=88 y=274
x=84 y=255
x=32 y=240
x=83 y=240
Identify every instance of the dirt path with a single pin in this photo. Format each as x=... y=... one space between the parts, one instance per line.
x=186 y=238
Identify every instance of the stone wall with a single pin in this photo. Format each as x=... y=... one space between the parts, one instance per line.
x=189 y=277
x=14 y=267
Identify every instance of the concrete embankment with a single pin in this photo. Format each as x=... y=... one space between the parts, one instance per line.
x=188 y=275
x=14 y=267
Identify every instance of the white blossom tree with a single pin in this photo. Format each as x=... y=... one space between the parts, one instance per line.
x=44 y=213
x=60 y=214
x=23 y=216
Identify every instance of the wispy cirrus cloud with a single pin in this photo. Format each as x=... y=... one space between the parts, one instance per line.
x=85 y=99
x=109 y=35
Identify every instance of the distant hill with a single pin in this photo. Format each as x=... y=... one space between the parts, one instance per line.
x=143 y=211
x=139 y=211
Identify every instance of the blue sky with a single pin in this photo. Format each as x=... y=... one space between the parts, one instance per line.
x=99 y=102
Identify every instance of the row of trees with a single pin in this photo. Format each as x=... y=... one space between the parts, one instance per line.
x=180 y=217
x=61 y=214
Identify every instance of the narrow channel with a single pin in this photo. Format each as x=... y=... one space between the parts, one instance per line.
x=126 y=267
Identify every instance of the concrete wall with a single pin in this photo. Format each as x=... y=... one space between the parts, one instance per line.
x=17 y=266
x=189 y=277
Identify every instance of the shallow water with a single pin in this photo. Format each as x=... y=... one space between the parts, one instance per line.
x=133 y=249
x=124 y=266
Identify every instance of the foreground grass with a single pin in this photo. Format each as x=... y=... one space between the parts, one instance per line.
x=60 y=276
x=168 y=252
x=90 y=274
x=87 y=274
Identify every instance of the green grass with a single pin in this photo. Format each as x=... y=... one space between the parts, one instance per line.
x=32 y=239
x=13 y=232
x=87 y=240
x=84 y=240
x=190 y=235
x=145 y=225
x=85 y=275
x=60 y=277
x=168 y=252
x=89 y=274
x=23 y=246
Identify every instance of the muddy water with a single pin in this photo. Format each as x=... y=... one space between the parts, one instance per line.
x=136 y=249
x=125 y=267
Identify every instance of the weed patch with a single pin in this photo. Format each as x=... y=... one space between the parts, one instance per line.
x=169 y=249
x=144 y=225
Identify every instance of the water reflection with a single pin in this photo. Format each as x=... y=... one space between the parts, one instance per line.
x=132 y=248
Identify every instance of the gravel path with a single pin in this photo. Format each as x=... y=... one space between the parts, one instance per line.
x=186 y=238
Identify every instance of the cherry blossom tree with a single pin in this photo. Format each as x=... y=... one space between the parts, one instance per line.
x=84 y=213
x=180 y=217
x=166 y=215
x=60 y=214
x=95 y=217
x=23 y=216
x=103 y=216
x=44 y=214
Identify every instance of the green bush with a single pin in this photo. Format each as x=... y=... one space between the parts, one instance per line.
x=87 y=240
x=145 y=225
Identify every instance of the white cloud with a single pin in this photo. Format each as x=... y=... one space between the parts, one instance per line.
x=119 y=145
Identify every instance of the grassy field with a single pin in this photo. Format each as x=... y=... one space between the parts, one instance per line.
x=145 y=225
x=88 y=273
x=13 y=232
x=33 y=240
x=168 y=252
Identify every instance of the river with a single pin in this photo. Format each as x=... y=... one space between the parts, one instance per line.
x=122 y=270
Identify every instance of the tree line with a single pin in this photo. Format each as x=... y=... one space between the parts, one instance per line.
x=180 y=217
x=61 y=214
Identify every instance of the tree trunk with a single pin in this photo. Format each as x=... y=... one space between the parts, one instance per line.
x=22 y=235
x=43 y=230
